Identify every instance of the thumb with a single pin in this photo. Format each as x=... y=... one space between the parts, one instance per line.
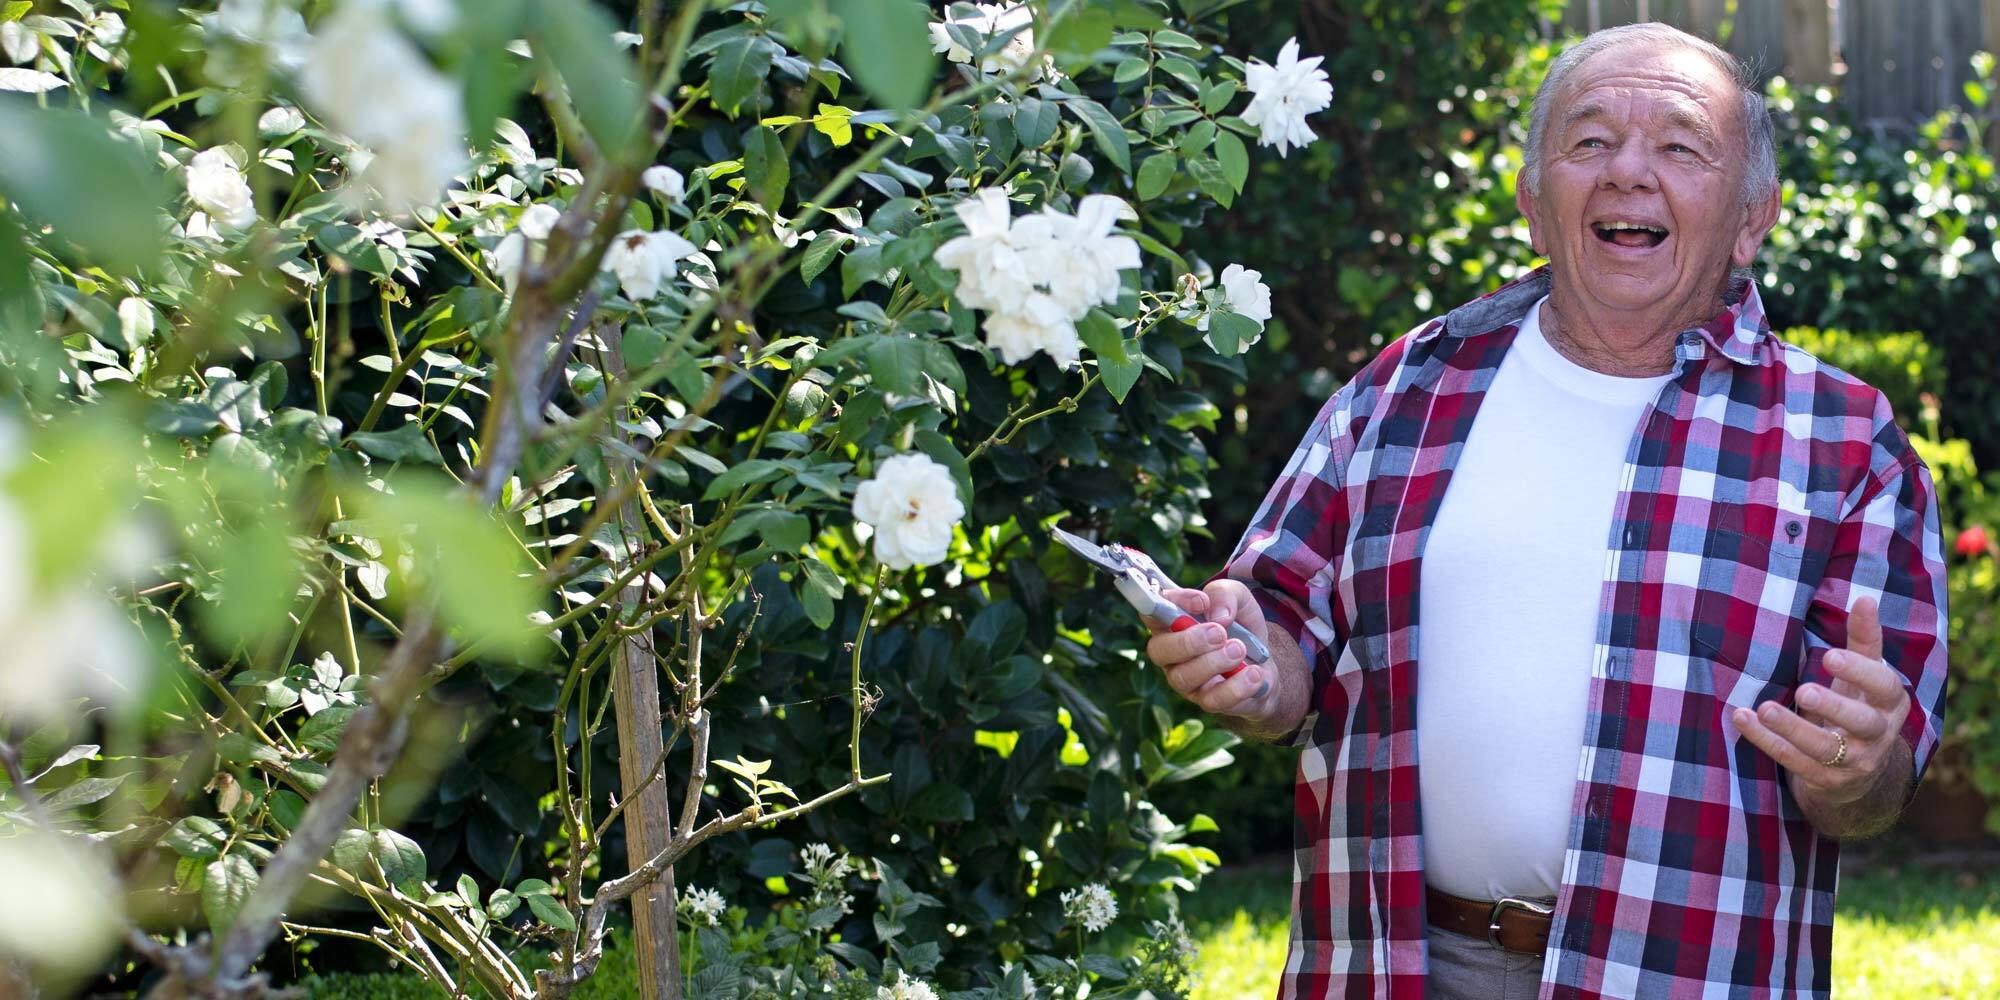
x=1864 y=629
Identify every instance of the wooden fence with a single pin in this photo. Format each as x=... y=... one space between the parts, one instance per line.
x=1897 y=61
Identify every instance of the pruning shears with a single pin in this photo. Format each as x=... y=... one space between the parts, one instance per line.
x=1141 y=583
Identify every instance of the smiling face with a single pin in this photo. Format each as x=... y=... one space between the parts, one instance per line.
x=1641 y=207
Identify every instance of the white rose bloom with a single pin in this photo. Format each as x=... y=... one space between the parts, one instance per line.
x=912 y=503
x=272 y=25
x=538 y=221
x=643 y=260
x=1243 y=292
x=371 y=84
x=992 y=19
x=68 y=901
x=66 y=647
x=1284 y=95
x=217 y=187
x=1093 y=906
x=665 y=180
x=992 y=273
x=1036 y=323
x=507 y=258
x=1077 y=257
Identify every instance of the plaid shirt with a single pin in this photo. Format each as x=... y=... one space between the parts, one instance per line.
x=1763 y=493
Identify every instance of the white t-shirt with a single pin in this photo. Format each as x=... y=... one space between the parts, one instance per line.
x=1512 y=578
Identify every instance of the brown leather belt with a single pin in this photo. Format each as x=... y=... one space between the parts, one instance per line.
x=1518 y=925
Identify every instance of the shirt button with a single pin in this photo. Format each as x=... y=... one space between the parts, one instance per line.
x=1690 y=339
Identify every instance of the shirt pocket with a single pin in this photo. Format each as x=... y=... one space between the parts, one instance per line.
x=1749 y=603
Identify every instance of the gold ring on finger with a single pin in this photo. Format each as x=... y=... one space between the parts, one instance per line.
x=1839 y=751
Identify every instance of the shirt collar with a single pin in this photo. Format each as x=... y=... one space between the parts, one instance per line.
x=1740 y=332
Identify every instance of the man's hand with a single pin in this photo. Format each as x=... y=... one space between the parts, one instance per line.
x=1268 y=697
x=1861 y=794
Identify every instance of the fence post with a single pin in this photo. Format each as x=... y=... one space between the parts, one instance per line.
x=1809 y=42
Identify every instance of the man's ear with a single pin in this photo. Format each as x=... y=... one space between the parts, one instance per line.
x=1524 y=199
x=1758 y=218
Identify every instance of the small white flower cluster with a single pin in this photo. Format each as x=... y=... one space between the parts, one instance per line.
x=1093 y=906
x=665 y=180
x=1174 y=934
x=703 y=907
x=643 y=261
x=907 y=988
x=535 y=225
x=989 y=20
x=912 y=503
x=827 y=869
x=1037 y=275
x=363 y=77
x=1283 y=95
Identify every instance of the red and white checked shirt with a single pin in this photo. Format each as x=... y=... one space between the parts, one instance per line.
x=1763 y=493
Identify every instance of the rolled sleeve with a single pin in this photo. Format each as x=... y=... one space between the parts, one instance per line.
x=1890 y=547
x=1289 y=554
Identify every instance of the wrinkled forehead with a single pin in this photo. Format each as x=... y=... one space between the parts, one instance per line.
x=1674 y=81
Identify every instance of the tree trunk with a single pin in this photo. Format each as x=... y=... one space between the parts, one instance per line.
x=635 y=695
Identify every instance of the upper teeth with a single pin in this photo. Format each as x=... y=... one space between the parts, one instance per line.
x=1632 y=225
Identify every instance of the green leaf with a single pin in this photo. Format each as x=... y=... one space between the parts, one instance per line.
x=14 y=9
x=894 y=360
x=69 y=170
x=460 y=554
x=642 y=346
x=1233 y=158
x=400 y=857
x=1121 y=371
x=742 y=474
x=1104 y=130
x=1218 y=96
x=775 y=528
x=603 y=83
x=1155 y=173
x=820 y=255
x=941 y=802
x=1228 y=332
x=1208 y=173
x=738 y=68
x=766 y=168
x=549 y=911
x=322 y=732
x=404 y=444
x=819 y=588
x=196 y=837
x=1086 y=29
x=1035 y=121
x=888 y=49
x=225 y=885
x=20 y=295
x=1100 y=333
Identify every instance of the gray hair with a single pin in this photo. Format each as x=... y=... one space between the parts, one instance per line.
x=1760 y=178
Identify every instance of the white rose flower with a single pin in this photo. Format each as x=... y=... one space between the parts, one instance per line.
x=1242 y=292
x=1036 y=323
x=75 y=918
x=643 y=260
x=1284 y=95
x=539 y=220
x=989 y=21
x=912 y=503
x=371 y=84
x=665 y=180
x=1076 y=257
x=217 y=187
x=273 y=26
x=507 y=259
x=1093 y=906
x=992 y=273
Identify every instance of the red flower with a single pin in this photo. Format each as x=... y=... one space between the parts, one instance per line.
x=1973 y=543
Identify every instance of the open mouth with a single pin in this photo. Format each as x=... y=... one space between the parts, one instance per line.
x=1637 y=235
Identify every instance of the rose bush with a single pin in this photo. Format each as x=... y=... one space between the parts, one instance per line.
x=508 y=455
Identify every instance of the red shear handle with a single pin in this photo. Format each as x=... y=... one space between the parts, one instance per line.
x=1185 y=622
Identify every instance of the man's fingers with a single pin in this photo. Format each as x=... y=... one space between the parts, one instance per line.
x=1864 y=629
x=1171 y=649
x=1870 y=678
x=1228 y=696
x=1787 y=752
x=1859 y=719
x=1189 y=677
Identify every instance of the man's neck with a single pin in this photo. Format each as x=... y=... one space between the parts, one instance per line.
x=1622 y=345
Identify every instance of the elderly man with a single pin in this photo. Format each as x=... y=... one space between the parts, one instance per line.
x=1655 y=600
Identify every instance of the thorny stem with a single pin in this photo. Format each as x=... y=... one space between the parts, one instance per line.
x=861 y=635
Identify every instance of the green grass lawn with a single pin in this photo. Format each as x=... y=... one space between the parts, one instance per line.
x=1899 y=933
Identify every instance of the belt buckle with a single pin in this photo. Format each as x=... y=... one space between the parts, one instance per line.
x=1515 y=902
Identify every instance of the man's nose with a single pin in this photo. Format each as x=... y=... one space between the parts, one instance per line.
x=1630 y=168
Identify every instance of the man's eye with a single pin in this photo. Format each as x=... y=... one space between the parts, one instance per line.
x=1591 y=143
x=1675 y=147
